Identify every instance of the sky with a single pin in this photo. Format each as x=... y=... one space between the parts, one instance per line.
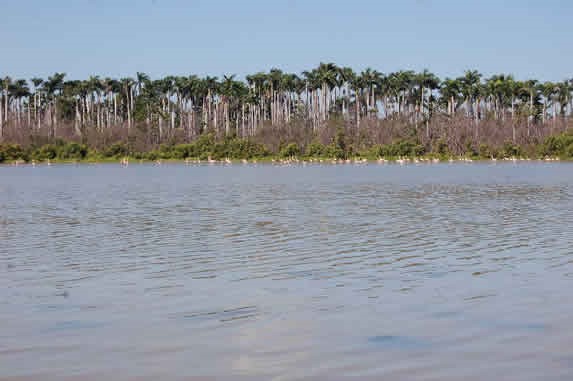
x=117 y=38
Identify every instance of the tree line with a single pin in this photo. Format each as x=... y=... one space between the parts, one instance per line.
x=277 y=108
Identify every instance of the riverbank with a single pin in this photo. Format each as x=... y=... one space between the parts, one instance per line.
x=289 y=161
x=208 y=149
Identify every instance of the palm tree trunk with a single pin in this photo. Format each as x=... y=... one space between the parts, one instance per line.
x=77 y=119
x=530 y=114
x=357 y=101
x=6 y=103
x=55 y=120
x=215 y=117
x=96 y=109
x=226 y=112
x=373 y=94
x=39 y=116
x=36 y=115
x=129 y=108
x=19 y=111
x=209 y=117
x=29 y=112
x=1 y=117
x=190 y=124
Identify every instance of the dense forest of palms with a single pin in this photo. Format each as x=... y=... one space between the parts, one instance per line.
x=276 y=109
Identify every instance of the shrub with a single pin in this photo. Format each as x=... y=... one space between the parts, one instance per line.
x=12 y=152
x=558 y=145
x=511 y=150
x=181 y=151
x=73 y=151
x=316 y=150
x=485 y=151
x=166 y=151
x=152 y=155
x=290 y=150
x=116 y=150
x=401 y=148
x=442 y=148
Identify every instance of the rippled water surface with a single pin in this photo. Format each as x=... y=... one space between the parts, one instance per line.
x=418 y=272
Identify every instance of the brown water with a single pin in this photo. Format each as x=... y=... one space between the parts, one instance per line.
x=417 y=272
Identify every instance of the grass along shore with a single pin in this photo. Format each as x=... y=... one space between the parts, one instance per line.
x=287 y=162
x=207 y=149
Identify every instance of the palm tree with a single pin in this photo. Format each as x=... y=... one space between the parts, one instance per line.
x=18 y=90
x=127 y=85
x=550 y=92
x=3 y=103
x=371 y=79
x=6 y=84
x=74 y=90
x=141 y=80
x=471 y=89
x=345 y=76
x=227 y=92
x=426 y=81
x=313 y=83
x=564 y=90
x=531 y=88
x=357 y=84
x=53 y=88
x=451 y=93
x=327 y=76
x=400 y=86
x=37 y=82
x=211 y=84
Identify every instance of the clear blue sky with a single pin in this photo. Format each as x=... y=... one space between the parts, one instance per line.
x=119 y=37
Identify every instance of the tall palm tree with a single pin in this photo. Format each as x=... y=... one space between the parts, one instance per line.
x=18 y=90
x=450 y=90
x=471 y=89
x=357 y=84
x=371 y=79
x=427 y=82
x=531 y=89
x=6 y=82
x=564 y=90
x=53 y=88
x=345 y=76
x=550 y=92
x=3 y=104
x=227 y=92
x=37 y=82
x=127 y=85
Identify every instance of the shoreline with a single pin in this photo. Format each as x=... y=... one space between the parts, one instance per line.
x=286 y=162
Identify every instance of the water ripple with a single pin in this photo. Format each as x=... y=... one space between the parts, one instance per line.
x=259 y=271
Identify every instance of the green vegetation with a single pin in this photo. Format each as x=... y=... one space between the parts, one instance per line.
x=204 y=148
x=207 y=147
x=558 y=145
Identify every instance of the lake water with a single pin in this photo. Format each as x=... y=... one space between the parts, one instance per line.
x=260 y=272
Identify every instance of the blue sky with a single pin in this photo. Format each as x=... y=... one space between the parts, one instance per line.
x=119 y=37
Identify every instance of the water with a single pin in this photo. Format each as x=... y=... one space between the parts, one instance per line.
x=418 y=272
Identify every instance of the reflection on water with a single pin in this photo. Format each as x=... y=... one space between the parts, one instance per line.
x=433 y=272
